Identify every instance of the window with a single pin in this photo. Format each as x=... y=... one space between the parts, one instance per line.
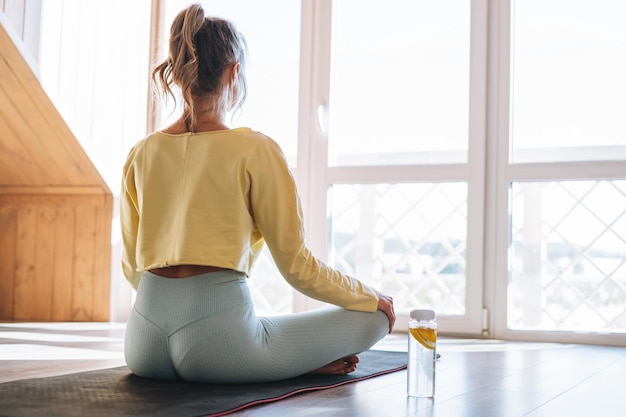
x=465 y=155
x=406 y=239
x=568 y=256
x=399 y=82
x=563 y=175
x=393 y=135
x=568 y=92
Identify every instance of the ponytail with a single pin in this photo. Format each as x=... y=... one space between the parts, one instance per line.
x=200 y=50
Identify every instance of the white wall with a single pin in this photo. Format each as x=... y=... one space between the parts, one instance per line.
x=24 y=18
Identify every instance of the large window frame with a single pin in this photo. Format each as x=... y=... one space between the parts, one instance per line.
x=314 y=176
x=489 y=171
x=501 y=173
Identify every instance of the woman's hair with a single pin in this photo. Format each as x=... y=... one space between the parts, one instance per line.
x=201 y=50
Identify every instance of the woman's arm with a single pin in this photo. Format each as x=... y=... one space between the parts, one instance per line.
x=278 y=215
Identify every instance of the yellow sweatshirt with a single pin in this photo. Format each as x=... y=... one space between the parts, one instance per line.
x=215 y=198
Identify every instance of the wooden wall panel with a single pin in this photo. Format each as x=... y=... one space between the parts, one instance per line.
x=64 y=263
x=84 y=268
x=16 y=163
x=101 y=307
x=22 y=111
x=8 y=240
x=57 y=266
x=38 y=127
x=44 y=260
x=25 y=285
x=55 y=208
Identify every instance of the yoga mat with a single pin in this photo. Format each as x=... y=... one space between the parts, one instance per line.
x=116 y=392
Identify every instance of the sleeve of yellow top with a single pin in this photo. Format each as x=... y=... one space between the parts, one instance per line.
x=129 y=217
x=278 y=215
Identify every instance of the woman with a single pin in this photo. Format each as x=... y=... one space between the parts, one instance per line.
x=198 y=202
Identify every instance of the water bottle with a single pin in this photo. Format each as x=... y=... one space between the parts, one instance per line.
x=422 y=355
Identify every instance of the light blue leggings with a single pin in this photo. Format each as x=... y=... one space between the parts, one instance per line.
x=204 y=329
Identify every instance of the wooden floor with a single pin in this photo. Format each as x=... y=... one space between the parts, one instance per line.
x=479 y=378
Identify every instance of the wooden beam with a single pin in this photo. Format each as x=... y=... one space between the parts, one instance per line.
x=49 y=190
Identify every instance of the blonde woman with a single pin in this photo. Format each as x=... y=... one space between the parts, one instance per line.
x=199 y=201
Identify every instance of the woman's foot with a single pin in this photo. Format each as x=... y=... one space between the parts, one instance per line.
x=341 y=366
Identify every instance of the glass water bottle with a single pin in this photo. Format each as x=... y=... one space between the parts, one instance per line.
x=422 y=354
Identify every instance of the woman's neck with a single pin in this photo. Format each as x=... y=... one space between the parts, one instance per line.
x=205 y=124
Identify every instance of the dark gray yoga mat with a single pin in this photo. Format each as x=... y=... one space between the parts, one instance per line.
x=117 y=392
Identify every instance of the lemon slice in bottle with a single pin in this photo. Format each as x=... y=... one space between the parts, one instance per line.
x=425 y=336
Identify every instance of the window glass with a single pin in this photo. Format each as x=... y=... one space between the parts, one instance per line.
x=568 y=256
x=407 y=240
x=568 y=90
x=399 y=82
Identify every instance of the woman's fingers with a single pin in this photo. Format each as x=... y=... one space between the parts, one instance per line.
x=385 y=304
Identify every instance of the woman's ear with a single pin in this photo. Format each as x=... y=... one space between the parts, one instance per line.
x=233 y=72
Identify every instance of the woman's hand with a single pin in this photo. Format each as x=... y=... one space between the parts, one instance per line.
x=385 y=304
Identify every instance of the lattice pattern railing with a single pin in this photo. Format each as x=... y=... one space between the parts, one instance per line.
x=408 y=240
x=568 y=256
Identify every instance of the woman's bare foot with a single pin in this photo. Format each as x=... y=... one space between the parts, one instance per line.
x=341 y=366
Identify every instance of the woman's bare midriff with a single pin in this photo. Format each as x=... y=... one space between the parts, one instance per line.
x=185 y=271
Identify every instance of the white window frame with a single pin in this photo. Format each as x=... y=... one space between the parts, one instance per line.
x=314 y=176
x=501 y=173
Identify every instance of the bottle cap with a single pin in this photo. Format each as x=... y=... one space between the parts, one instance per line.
x=423 y=315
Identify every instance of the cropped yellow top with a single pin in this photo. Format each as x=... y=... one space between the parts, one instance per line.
x=215 y=198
